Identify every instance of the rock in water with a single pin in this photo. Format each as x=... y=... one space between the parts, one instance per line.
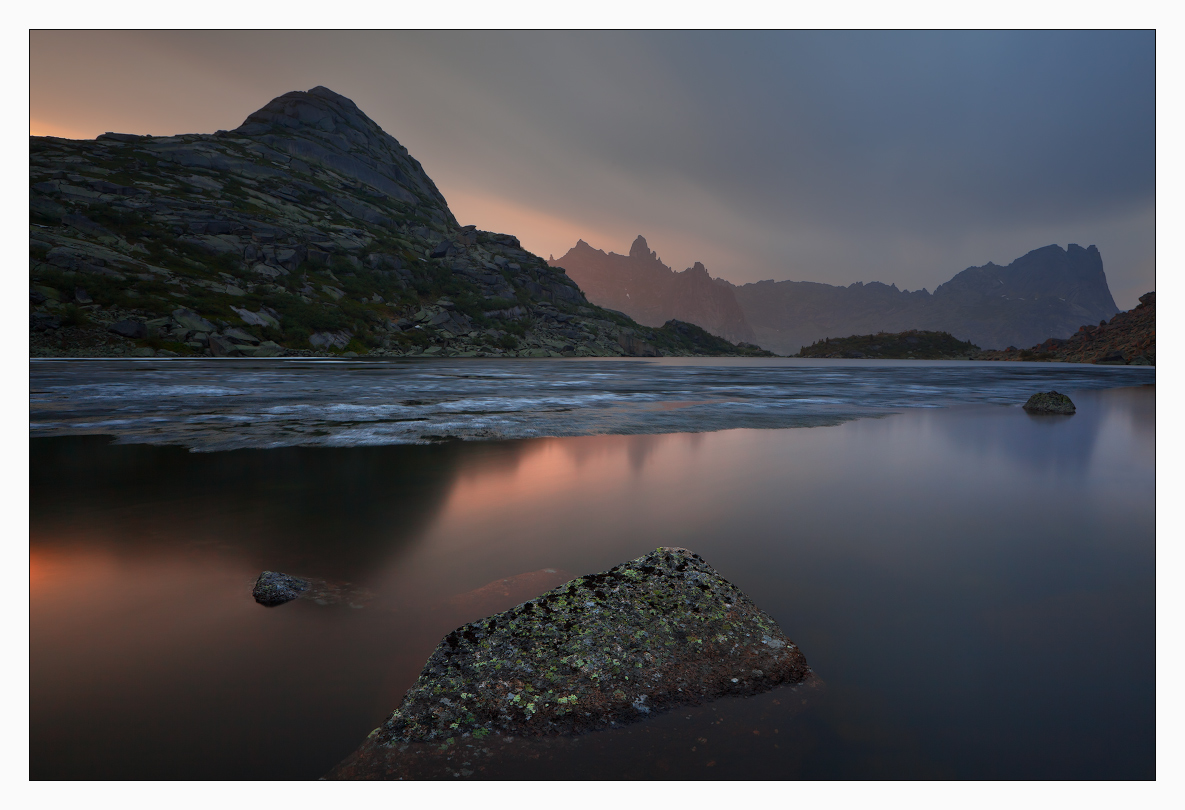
x=273 y=588
x=659 y=631
x=1051 y=402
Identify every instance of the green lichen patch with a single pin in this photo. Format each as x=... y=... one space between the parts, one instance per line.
x=603 y=649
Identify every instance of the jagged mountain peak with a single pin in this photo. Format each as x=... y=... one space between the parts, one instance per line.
x=640 y=250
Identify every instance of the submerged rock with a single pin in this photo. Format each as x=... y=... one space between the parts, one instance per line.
x=1051 y=402
x=603 y=649
x=273 y=588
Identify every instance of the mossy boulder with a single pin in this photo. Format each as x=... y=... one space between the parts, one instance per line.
x=1050 y=402
x=604 y=649
x=273 y=588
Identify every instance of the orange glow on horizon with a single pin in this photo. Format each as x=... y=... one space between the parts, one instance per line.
x=540 y=232
x=39 y=128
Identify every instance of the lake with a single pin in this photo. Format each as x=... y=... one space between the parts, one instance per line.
x=972 y=585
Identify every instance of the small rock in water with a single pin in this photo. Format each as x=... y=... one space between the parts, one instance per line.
x=273 y=588
x=1051 y=402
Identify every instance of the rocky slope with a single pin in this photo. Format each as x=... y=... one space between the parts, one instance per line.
x=644 y=288
x=911 y=345
x=308 y=230
x=1127 y=339
x=1046 y=292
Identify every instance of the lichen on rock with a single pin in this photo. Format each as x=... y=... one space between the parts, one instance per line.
x=609 y=648
x=1050 y=402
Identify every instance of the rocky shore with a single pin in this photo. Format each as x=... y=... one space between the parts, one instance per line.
x=1127 y=339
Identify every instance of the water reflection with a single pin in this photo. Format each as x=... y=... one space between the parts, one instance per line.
x=961 y=580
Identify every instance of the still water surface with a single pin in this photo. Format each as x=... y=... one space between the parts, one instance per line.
x=973 y=585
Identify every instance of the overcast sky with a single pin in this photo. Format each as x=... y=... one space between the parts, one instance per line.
x=833 y=157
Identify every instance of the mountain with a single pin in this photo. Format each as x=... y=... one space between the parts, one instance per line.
x=1048 y=291
x=644 y=288
x=1127 y=339
x=308 y=230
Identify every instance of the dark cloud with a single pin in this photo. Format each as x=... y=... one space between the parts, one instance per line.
x=831 y=156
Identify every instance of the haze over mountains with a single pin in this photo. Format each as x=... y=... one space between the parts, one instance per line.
x=1048 y=292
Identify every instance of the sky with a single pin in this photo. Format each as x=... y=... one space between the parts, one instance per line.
x=901 y=157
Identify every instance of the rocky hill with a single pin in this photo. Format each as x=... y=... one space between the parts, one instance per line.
x=911 y=345
x=650 y=292
x=308 y=230
x=1046 y=292
x=1127 y=339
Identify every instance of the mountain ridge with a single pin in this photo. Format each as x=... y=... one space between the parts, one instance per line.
x=1047 y=291
x=641 y=286
x=307 y=230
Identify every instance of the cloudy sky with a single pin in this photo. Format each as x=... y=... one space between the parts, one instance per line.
x=830 y=156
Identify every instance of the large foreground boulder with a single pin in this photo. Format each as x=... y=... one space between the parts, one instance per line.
x=1050 y=402
x=608 y=648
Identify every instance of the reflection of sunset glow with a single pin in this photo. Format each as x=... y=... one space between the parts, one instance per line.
x=593 y=466
x=53 y=571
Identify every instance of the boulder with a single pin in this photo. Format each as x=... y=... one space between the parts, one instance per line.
x=656 y=632
x=273 y=588
x=1050 y=402
x=236 y=335
x=129 y=328
x=40 y=321
x=222 y=347
x=261 y=318
x=190 y=320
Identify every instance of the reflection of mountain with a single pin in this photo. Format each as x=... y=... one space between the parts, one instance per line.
x=331 y=513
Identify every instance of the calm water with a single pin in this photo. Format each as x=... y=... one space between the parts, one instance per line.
x=973 y=585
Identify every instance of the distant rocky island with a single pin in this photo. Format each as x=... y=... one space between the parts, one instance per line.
x=306 y=231
x=1047 y=292
x=912 y=345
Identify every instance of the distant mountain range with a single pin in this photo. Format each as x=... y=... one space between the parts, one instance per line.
x=1046 y=293
x=651 y=293
x=308 y=230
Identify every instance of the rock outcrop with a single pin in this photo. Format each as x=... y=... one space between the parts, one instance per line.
x=651 y=293
x=308 y=231
x=273 y=588
x=1050 y=402
x=911 y=345
x=1127 y=339
x=604 y=649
